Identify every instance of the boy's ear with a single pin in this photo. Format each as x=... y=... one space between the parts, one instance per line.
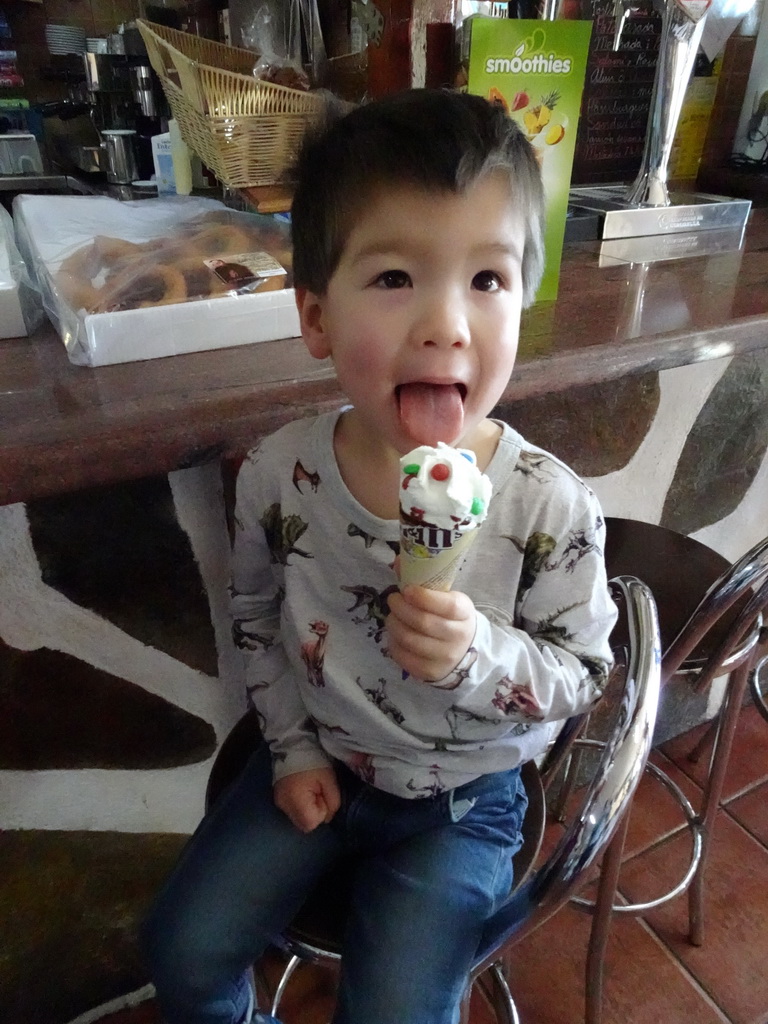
x=310 y=307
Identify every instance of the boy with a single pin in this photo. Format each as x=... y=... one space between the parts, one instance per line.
x=396 y=722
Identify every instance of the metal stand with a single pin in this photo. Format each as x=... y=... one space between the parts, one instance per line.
x=646 y=207
x=687 y=211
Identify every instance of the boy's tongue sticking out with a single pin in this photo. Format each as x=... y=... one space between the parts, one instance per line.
x=431 y=412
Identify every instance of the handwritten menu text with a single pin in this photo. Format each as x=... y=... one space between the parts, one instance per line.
x=617 y=94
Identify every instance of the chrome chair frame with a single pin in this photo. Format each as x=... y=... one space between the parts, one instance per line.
x=302 y=949
x=596 y=828
x=747 y=580
x=760 y=695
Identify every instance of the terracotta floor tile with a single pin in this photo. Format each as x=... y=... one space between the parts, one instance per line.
x=653 y=975
x=655 y=812
x=310 y=1004
x=751 y=810
x=730 y=966
x=643 y=983
x=749 y=757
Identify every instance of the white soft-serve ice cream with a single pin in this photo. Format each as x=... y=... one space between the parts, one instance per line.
x=443 y=499
x=442 y=486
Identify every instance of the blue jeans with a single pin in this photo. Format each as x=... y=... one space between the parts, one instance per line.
x=428 y=873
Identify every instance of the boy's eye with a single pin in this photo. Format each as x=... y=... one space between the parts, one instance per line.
x=487 y=281
x=393 y=279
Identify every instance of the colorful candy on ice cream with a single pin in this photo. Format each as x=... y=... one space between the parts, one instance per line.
x=443 y=487
x=443 y=499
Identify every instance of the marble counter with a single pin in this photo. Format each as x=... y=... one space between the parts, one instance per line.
x=64 y=427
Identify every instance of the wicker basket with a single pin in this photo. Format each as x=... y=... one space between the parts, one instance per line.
x=246 y=131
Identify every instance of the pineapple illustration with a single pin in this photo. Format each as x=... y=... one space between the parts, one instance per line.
x=537 y=118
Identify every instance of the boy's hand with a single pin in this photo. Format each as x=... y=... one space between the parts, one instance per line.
x=429 y=631
x=309 y=798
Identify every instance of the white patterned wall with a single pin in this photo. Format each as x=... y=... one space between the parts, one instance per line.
x=33 y=615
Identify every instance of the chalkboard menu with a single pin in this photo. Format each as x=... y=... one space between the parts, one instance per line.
x=617 y=94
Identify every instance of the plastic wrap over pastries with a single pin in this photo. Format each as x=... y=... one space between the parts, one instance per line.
x=218 y=253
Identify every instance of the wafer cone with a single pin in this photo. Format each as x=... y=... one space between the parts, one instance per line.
x=429 y=556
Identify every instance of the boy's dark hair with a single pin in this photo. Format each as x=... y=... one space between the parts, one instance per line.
x=433 y=139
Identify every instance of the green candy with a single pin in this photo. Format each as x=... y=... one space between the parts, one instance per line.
x=411 y=469
x=477 y=506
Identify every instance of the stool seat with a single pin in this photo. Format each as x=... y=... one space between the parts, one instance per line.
x=316 y=932
x=320 y=921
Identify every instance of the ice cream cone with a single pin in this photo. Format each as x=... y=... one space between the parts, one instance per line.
x=430 y=557
x=443 y=500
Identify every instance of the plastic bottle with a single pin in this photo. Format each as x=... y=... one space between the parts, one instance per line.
x=164 y=170
x=182 y=163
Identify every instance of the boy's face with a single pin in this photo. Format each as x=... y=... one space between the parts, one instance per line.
x=422 y=315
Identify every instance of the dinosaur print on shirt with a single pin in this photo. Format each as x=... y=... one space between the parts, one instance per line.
x=282 y=532
x=301 y=475
x=535 y=551
x=376 y=605
x=377 y=696
x=516 y=699
x=312 y=581
x=313 y=653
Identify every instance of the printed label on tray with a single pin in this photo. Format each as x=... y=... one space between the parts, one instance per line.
x=244 y=271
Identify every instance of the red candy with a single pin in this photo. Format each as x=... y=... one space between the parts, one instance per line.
x=440 y=471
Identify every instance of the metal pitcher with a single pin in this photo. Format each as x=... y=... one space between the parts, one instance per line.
x=118 y=144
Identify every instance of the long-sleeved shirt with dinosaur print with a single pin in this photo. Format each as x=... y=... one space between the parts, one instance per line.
x=311 y=579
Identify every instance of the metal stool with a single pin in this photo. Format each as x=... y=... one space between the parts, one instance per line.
x=315 y=935
x=710 y=617
x=758 y=684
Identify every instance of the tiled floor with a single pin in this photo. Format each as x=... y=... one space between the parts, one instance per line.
x=653 y=975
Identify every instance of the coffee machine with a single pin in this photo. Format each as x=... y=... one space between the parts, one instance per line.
x=127 y=107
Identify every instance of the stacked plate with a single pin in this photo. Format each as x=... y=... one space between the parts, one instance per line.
x=65 y=39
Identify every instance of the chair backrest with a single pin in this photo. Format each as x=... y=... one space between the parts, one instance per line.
x=697 y=631
x=620 y=766
x=745 y=581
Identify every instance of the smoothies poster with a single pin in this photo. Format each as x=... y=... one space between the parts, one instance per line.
x=536 y=71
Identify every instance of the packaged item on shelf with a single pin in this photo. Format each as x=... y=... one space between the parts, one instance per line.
x=123 y=281
x=162 y=158
x=273 y=31
x=181 y=160
x=692 y=126
x=20 y=307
